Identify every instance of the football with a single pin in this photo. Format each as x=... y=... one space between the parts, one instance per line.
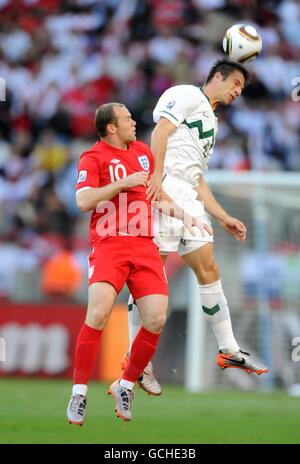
x=242 y=43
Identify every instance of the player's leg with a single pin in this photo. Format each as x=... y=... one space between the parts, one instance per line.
x=216 y=310
x=147 y=381
x=153 y=310
x=214 y=303
x=167 y=240
x=148 y=284
x=153 y=314
x=134 y=320
x=101 y=298
x=105 y=282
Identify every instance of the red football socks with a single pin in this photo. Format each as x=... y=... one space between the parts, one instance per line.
x=87 y=346
x=142 y=350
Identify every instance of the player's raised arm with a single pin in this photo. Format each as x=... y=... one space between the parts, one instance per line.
x=88 y=198
x=159 y=139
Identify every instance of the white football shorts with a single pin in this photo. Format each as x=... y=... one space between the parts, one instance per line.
x=170 y=233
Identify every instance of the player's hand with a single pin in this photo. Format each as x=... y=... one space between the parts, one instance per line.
x=235 y=228
x=137 y=178
x=192 y=223
x=154 y=187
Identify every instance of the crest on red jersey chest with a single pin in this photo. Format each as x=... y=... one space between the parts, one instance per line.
x=144 y=162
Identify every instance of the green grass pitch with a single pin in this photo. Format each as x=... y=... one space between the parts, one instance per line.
x=33 y=411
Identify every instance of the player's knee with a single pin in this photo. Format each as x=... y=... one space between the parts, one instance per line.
x=208 y=270
x=157 y=322
x=212 y=267
x=97 y=317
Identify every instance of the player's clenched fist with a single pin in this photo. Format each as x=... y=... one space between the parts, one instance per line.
x=137 y=178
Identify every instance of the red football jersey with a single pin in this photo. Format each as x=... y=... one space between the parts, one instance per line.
x=129 y=212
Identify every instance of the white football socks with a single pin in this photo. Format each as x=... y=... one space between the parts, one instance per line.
x=134 y=321
x=79 y=389
x=216 y=311
x=127 y=384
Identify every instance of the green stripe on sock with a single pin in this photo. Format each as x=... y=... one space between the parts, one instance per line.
x=211 y=311
x=130 y=307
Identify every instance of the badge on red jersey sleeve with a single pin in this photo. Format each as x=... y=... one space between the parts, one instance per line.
x=88 y=173
x=82 y=176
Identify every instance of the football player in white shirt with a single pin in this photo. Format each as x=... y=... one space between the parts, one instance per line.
x=182 y=142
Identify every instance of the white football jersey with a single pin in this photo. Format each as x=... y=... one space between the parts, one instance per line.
x=190 y=146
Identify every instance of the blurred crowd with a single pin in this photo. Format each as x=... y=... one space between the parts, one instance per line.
x=61 y=59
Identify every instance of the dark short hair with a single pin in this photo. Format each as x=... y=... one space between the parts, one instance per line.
x=105 y=115
x=226 y=67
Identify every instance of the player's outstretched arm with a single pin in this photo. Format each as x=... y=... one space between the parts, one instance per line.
x=232 y=225
x=88 y=199
x=167 y=206
x=159 y=140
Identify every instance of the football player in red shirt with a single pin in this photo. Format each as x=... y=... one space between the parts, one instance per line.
x=112 y=182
